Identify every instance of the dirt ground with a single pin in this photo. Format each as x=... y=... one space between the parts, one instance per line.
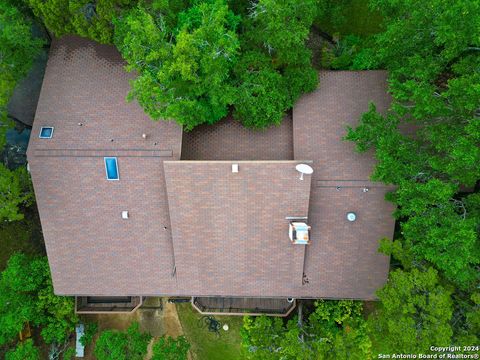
x=156 y=316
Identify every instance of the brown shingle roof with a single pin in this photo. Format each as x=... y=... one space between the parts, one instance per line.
x=229 y=230
x=230 y=140
x=91 y=250
x=342 y=260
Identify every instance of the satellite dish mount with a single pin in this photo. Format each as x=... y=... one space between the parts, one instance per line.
x=304 y=169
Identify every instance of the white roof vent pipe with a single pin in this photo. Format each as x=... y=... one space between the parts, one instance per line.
x=351 y=216
x=304 y=169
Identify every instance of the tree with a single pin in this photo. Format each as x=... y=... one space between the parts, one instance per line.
x=415 y=313
x=431 y=51
x=15 y=192
x=334 y=330
x=283 y=27
x=466 y=319
x=26 y=295
x=117 y=345
x=262 y=336
x=57 y=313
x=24 y=351
x=17 y=296
x=275 y=66
x=18 y=48
x=341 y=329
x=261 y=96
x=171 y=349
x=192 y=67
x=87 y=18
x=183 y=72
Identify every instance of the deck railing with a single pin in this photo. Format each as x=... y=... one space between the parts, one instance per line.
x=208 y=310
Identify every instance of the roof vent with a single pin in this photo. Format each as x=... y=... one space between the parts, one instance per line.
x=365 y=189
x=299 y=233
x=234 y=168
x=304 y=169
x=125 y=214
x=351 y=216
x=144 y=135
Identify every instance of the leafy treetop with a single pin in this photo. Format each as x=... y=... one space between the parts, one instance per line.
x=117 y=345
x=26 y=295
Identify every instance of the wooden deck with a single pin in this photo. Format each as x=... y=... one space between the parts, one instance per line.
x=106 y=305
x=243 y=306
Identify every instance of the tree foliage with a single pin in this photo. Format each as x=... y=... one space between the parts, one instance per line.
x=87 y=18
x=193 y=66
x=24 y=351
x=15 y=192
x=184 y=71
x=26 y=295
x=18 y=49
x=117 y=345
x=90 y=331
x=334 y=330
x=167 y=348
x=429 y=144
x=275 y=65
x=415 y=313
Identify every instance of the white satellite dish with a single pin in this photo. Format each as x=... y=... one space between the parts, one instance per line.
x=304 y=169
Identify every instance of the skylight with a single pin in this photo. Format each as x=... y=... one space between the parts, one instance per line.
x=46 y=132
x=111 y=168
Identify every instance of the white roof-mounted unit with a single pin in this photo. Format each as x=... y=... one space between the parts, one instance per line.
x=299 y=233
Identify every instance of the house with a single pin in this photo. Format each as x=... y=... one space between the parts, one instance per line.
x=133 y=208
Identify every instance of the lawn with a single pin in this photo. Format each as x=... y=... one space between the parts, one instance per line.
x=205 y=345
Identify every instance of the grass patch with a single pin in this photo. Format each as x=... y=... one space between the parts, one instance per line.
x=205 y=345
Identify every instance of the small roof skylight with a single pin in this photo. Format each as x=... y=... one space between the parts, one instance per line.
x=111 y=168
x=46 y=132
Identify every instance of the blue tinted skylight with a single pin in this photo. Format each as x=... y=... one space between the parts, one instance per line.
x=46 y=132
x=111 y=168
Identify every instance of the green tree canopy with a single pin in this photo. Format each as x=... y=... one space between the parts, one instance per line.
x=117 y=345
x=193 y=66
x=429 y=144
x=334 y=330
x=87 y=18
x=183 y=72
x=415 y=313
x=24 y=351
x=275 y=66
x=18 y=49
x=15 y=193
x=26 y=295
